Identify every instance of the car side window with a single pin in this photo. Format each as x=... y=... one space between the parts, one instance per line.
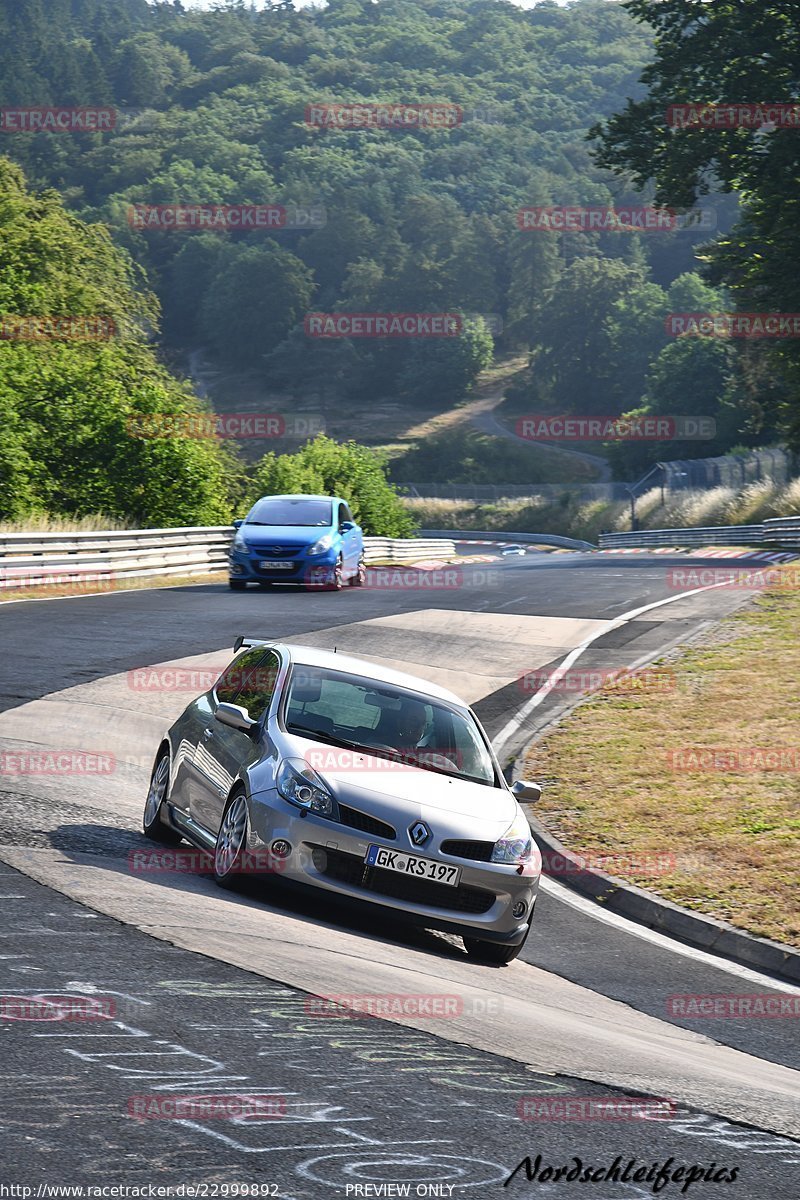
x=232 y=678
x=344 y=513
x=258 y=685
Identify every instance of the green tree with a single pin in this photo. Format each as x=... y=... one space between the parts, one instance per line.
x=354 y=472
x=636 y=333
x=575 y=363
x=192 y=271
x=691 y=378
x=319 y=368
x=417 y=219
x=69 y=441
x=259 y=294
x=534 y=267
x=717 y=54
x=441 y=371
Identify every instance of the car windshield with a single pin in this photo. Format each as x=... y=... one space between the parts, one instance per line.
x=386 y=722
x=290 y=512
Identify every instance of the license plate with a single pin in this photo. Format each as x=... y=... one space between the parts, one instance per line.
x=409 y=864
x=268 y=564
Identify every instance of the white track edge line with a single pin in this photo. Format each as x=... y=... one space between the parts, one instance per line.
x=518 y=720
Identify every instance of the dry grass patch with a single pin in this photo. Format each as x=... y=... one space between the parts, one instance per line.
x=614 y=786
x=46 y=523
x=108 y=587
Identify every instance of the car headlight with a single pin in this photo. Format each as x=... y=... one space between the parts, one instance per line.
x=298 y=784
x=321 y=546
x=238 y=542
x=516 y=844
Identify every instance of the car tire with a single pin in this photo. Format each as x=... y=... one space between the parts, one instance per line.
x=153 y=824
x=360 y=577
x=231 y=842
x=337 y=577
x=493 y=953
x=237 y=585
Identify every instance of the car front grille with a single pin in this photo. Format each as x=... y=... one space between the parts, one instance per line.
x=477 y=851
x=275 y=551
x=367 y=824
x=353 y=871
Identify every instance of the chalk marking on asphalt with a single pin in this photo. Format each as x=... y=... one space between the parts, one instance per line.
x=65 y=933
x=495 y=607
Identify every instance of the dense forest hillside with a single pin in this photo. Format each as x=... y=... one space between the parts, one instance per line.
x=223 y=108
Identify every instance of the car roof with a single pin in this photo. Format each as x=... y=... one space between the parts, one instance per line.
x=312 y=656
x=296 y=496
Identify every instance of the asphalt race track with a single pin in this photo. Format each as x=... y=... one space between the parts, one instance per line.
x=214 y=993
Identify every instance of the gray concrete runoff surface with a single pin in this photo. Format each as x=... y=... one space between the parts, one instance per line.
x=567 y=1060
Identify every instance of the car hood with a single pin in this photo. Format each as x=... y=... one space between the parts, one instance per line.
x=282 y=535
x=397 y=792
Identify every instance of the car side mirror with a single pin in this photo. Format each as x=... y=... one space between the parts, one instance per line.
x=346 y=526
x=239 y=521
x=235 y=717
x=525 y=790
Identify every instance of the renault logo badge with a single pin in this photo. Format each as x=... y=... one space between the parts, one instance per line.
x=419 y=833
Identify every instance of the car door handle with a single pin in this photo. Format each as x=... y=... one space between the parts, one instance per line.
x=208 y=733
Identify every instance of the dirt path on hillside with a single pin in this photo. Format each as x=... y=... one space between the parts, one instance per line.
x=480 y=414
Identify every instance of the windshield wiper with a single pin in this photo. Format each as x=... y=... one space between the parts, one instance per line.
x=330 y=737
x=316 y=733
x=392 y=756
x=340 y=741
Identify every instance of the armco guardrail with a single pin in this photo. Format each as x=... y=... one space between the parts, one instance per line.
x=400 y=550
x=529 y=539
x=781 y=531
x=43 y=559
x=40 y=559
x=723 y=535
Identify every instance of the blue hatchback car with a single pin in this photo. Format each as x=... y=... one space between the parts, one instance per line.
x=307 y=540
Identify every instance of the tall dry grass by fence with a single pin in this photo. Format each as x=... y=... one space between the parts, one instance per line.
x=749 y=505
x=570 y=518
x=46 y=523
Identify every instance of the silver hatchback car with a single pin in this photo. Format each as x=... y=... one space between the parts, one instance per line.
x=324 y=770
